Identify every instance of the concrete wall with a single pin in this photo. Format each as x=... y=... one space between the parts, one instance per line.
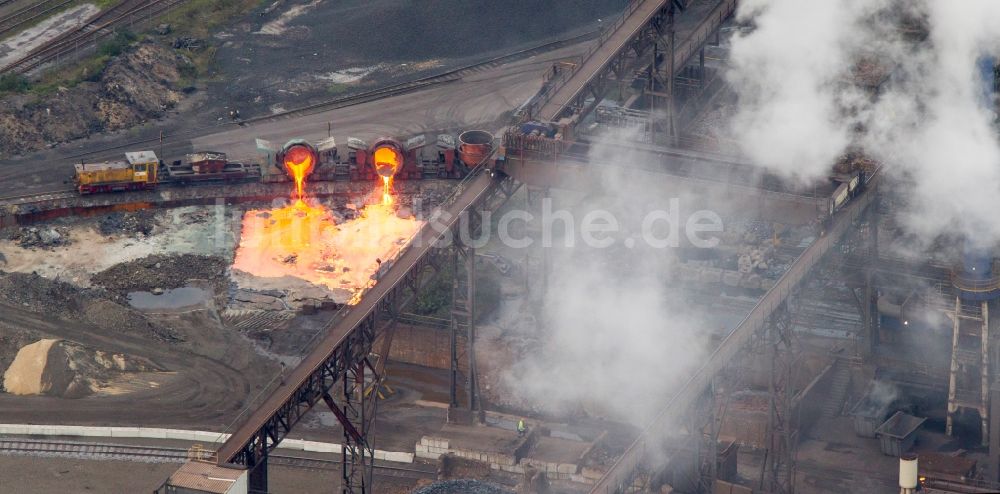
x=429 y=347
x=184 y=435
x=434 y=448
x=14 y=213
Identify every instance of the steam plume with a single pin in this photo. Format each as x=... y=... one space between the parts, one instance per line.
x=928 y=125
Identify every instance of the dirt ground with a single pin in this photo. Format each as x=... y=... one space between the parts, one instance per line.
x=96 y=244
x=314 y=49
x=138 y=86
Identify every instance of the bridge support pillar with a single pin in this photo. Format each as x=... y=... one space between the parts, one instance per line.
x=258 y=478
x=869 y=313
x=463 y=319
x=778 y=470
x=994 y=440
x=661 y=102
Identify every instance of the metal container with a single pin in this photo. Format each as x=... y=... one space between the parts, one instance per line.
x=868 y=415
x=474 y=146
x=899 y=433
x=386 y=156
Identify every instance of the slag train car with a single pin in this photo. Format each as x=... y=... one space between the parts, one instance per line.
x=209 y=166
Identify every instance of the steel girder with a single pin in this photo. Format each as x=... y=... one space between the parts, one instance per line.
x=624 y=62
x=463 y=310
x=354 y=410
x=778 y=471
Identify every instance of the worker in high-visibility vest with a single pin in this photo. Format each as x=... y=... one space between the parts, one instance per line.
x=521 y=429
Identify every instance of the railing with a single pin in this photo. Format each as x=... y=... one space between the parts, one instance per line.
x=689 y=46
x=970 y=284
x=707 y=26
x=556 y=82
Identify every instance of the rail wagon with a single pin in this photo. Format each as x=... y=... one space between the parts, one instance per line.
x=208 y=167
x=139 y=171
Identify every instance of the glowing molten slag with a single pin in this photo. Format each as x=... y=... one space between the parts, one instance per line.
x=306 y=241
x=299 y=162
x=386 y=191
x=386 y=161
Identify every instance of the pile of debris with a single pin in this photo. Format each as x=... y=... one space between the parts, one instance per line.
x=69 y=370
x=44 y=238
x=137 y=223
x=158 y=272
x=464 y=486
x=62 y=300
x=188 y=43
x=133 y=88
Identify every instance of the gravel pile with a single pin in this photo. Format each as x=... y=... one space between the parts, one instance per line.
x=462 y=487
x=140 y=222
x=161 y=272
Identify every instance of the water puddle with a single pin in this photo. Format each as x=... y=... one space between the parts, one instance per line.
x=177 y=298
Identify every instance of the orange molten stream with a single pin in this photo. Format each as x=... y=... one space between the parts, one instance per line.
x=299 y=161
x=304 y=240
x=386 y=191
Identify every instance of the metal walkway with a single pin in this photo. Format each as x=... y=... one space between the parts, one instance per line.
x=692 y=29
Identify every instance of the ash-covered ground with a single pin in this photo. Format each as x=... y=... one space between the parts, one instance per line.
x=297 y=51
x=155 y=275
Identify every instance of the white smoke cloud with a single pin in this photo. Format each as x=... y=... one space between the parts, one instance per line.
x=932 y=129
x=927 y=125
x=788 y=72
x=618 y=335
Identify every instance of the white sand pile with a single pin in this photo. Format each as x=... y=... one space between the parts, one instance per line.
x=65 y=369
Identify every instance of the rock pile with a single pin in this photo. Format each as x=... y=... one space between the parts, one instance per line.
x=130 y=90
x=161 y=272
x=64 y=301
x=139 y=222
x=44 y=238
x=464 y=486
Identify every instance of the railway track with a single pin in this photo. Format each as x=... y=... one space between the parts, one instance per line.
x=97 y=28
x=15 y=21
x=50 y=195
x=151 y=454
x=444 y=77
x=439 y=78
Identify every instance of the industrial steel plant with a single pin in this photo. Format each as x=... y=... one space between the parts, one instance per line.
x=457 y=246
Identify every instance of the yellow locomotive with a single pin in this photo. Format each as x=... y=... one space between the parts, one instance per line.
x=139 y=171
